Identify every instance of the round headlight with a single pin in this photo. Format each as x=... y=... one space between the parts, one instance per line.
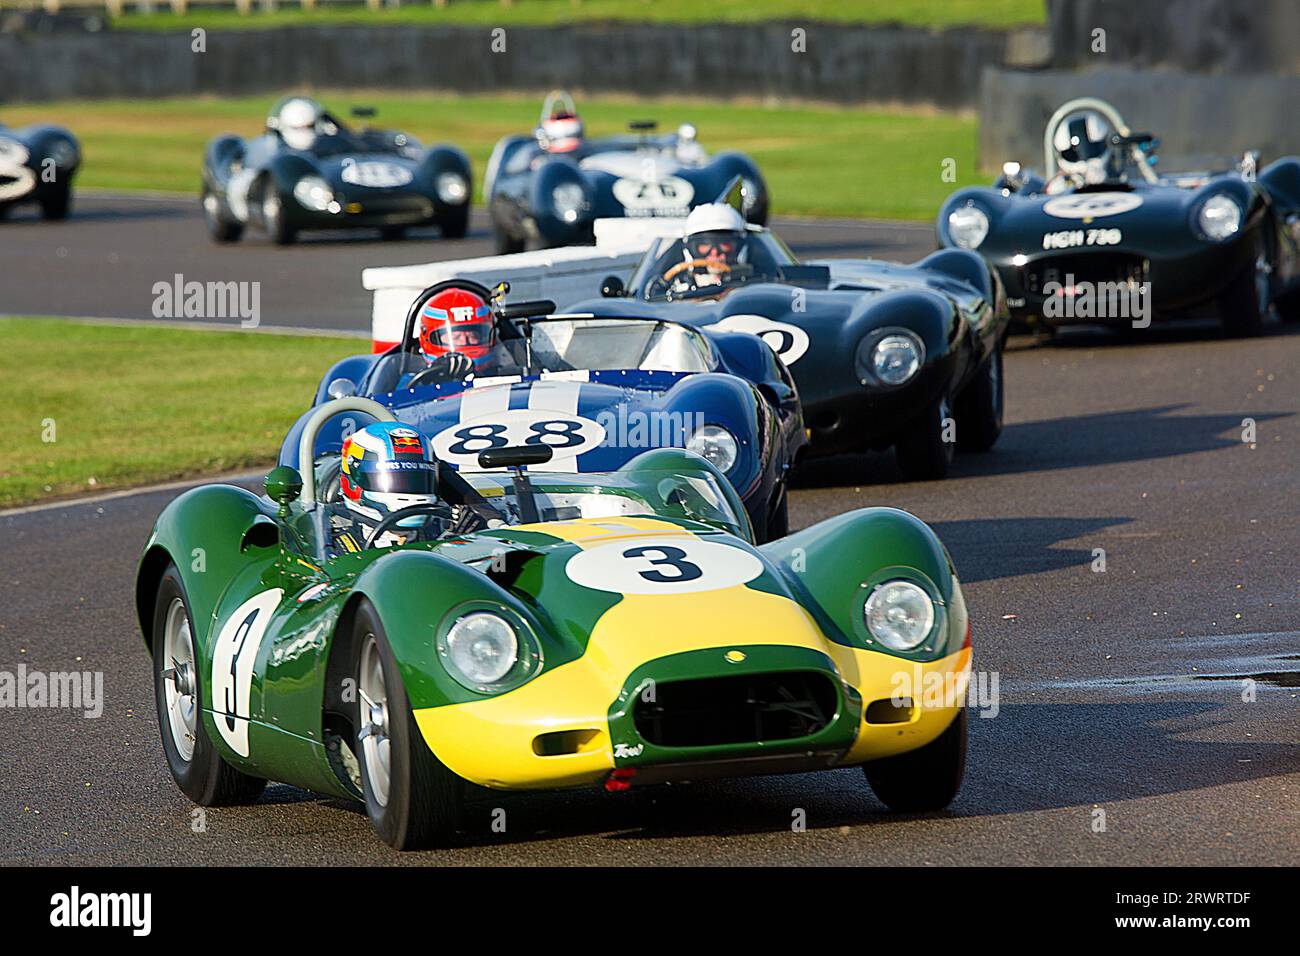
x=1219 y=217
x=451 y=188
x=714 y=443
x=313 y=193
x=568 y=200
x=481 y=648
x=899 y=615
x=896 y=358
x=967 y=226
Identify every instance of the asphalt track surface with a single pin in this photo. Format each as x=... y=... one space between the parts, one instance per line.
x=1119 y=691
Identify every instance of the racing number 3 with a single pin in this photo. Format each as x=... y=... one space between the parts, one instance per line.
x=669 y=557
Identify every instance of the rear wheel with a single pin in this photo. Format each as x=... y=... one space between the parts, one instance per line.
x=393 y=233
x=198 y=769
x=220 y=228
x=1244 y=304
x=924 y=779
x=778 y=519
x=413 y=801
x=922 y=452
x=979 y=407
x=57 y=203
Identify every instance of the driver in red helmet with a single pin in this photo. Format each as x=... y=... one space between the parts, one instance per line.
x=458 y=333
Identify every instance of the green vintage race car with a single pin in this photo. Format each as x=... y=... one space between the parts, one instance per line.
x=638 y=634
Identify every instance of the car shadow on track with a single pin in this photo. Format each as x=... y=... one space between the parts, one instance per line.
x=1106 y=438
x=1190 y=331
x=989 y=549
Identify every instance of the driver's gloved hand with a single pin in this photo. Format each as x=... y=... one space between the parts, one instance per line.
x=465 y=521
x=453 y=365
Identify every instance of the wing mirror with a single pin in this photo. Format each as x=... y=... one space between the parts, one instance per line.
x=283 y=486
x=342 y=388
x=1013 y=177
x=611 y=287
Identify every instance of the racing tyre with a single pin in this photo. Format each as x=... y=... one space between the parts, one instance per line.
x=4 y=211
x=921 y=452
x=924 y=779
x=392 y=233
x=273 y=218
x=413 y=801
x=507 y=244
x=220 y=228
x=979 y=407
x=1287 y=303
x=57 y=203
x=1244 y=303
x=198 y=769
x=778 y=520
x=455 y=224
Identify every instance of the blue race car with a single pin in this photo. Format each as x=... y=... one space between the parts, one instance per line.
x=37 y=164
x=598 y=391
x=1099 y=237
x=549 y=188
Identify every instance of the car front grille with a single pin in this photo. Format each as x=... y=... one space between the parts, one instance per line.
x=1092 y=268
x=739 y=709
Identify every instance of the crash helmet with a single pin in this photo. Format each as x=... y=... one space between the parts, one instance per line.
x=560 y=129
x=457 y=320
x=1081 y=141
x=715 y=231
x=295 y=119
x=387 y=466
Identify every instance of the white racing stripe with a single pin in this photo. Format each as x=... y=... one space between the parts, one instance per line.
x=555 y=395
x=477 y=402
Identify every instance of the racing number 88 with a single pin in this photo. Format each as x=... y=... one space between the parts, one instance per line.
x=476 y=438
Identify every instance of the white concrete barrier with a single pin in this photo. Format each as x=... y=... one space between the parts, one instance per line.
x=563 y=275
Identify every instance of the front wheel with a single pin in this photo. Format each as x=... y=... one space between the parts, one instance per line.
x=273 y=217
x=979 y=407
x=197 y=768
x=413 y=801
x=506 y=244
x=925 y=450
x=1244 y=304
x=924 y=779
x=455 y=222
x=57 y=203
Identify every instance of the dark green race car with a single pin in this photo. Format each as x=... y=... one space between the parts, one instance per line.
x=611 y=629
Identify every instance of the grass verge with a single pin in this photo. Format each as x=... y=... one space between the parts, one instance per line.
x=154 y=404
x=932 y=14
x=819 y=160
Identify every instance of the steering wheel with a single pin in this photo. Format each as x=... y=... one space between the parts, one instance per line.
x=681 y=267
x=430 y=510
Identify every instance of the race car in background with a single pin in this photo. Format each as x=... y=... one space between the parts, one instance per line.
x=37 y=165
x=596 y=390
x=1099 y=237
x=309 y=171
x=516 y=655
x=548 y=189
x=882 y=354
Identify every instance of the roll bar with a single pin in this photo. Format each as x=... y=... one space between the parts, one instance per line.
x=307 y=440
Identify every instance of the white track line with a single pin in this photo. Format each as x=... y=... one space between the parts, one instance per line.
x=130 y=492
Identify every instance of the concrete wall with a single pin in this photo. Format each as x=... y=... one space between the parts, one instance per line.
x=1200 y=120
x=841 y=63
x=1201 y=36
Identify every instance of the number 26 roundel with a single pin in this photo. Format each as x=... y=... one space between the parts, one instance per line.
x=233 y=657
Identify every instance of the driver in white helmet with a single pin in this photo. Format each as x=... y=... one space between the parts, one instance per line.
x=1081 y=144
x=715 y=243
x=296 y=121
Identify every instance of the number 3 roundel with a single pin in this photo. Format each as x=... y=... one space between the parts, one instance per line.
x=669 y=565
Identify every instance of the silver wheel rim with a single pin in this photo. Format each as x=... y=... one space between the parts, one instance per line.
x=179 y=686
x=373 y=708
x=271 y=207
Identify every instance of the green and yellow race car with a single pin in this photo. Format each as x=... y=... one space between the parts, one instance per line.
x=519 y=628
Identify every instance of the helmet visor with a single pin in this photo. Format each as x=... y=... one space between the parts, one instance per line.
x=399 y=478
